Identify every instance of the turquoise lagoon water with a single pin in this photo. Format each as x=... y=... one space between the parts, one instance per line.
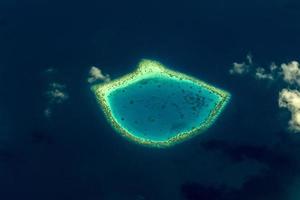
x=160 y=107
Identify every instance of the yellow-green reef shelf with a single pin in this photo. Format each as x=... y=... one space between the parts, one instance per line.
x=159 y=107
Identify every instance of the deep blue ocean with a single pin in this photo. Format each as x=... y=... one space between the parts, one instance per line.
x=248 y=154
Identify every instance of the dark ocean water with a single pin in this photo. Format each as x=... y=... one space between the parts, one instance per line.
x=75 y=154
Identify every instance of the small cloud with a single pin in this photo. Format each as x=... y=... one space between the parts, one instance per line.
x=291 y=72
x=273 y=67
x=56 y=93
x=50 y=70
x=248 y=67
x=271 y=74
x=239 y=68
x=95 y=74
x=262 y=74
x=249 y=58
x=287 y=73
x=290 y=99
x=242 y=68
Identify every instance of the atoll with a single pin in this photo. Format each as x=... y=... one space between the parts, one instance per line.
x=159 y=107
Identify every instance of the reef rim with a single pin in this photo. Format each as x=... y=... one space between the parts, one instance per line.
x=145 y=69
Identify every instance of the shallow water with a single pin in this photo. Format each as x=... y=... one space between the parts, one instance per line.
x=159 y=108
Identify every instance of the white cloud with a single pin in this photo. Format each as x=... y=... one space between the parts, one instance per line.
x=287 y=73
x=290 y=99
x=56 y=93
x=95 y=74
x=242 y=68
x=248 y=67
x=249 y=58
x=262 y=74
x=291 y=72
x=239 y=68
x=267 y=74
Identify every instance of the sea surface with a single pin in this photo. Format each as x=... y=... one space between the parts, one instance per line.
x=74 y=154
